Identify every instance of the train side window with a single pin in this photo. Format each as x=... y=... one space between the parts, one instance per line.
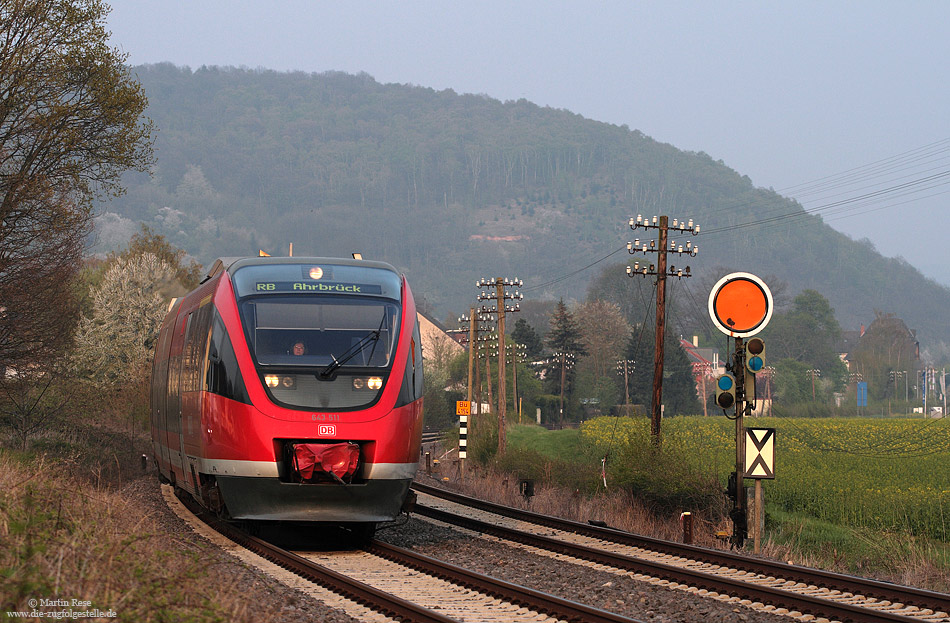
x=188 y=363
x=160 y=375
x=223 y=377
x=412 y=387
x=204 y=318
x=417 y=361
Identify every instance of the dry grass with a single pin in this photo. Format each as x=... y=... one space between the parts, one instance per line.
x=69 y=538
x=80 y=520
x=615 y=507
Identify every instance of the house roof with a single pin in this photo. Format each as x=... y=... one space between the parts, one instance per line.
x=698 y=355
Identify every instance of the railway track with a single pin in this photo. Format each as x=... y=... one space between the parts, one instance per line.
x=429 y=437
x=406 y=586
x=778 y=587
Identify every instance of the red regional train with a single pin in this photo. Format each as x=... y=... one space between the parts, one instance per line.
x=290 y=389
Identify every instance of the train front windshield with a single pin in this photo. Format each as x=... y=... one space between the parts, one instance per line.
x=320 y=351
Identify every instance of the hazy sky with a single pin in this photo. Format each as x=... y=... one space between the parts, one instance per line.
x=786 y=94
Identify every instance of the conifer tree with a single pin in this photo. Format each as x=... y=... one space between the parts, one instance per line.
x=525 y=334
x=564 y=337
x=679 y=385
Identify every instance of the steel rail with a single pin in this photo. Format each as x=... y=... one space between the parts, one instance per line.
x=907 y=595
x=362 y=593
x=720 y=584
x=535 y=600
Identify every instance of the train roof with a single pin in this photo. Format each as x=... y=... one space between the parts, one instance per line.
x=231 y=264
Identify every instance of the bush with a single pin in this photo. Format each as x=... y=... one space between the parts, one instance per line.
x=664 y=476
x=483 y=438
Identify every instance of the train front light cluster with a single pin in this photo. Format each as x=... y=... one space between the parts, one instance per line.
x=373 y=383
x=286 y=382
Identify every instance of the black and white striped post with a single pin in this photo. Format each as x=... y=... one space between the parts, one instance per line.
x=463 y=408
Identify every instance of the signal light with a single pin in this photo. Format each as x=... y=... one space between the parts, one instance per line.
x=726 y=391
x=755 y=355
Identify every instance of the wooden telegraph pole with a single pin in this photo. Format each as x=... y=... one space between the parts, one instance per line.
x=517 y=356
x=660 y=270
x=623 y=369
x=472 y=320
x=501 y=296
x=502 y=398
x=477 y=338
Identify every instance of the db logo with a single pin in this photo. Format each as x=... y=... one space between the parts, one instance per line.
x=326 y=430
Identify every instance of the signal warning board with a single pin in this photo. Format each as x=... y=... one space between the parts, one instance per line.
x=463 y=407
x=759 y=453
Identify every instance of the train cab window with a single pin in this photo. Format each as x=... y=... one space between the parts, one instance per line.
x=322 y=352
x=298 y=332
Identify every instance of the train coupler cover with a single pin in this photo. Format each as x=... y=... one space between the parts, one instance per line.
x=315 y=461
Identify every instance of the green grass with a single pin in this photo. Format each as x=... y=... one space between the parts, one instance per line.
x=554 y=444
x=858 y=550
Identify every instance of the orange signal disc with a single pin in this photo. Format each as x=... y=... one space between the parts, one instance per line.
x=740 y=304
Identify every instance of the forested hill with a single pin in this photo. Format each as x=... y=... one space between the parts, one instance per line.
x=451 y=188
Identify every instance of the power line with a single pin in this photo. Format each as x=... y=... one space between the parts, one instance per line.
x=929 y=182
x=844 y=208
x=850 y=176
x=942 y=146
x=572 y=273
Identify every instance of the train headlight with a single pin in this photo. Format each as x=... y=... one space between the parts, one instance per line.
x=374 y=382
x=359 y=383
x=288 y=382
x=316 y=272
x=272 y=380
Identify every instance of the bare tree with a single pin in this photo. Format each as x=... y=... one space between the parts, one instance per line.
x=70 y=124
x=604 y=332
x=31 y=402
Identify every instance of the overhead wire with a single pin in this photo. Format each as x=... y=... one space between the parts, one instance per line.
x=936 y=147
x=845 y=178
x=572 y=273
x=864 y=203
x=841 y=205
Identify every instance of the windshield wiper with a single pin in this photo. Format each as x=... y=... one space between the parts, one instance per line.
x=356 y=349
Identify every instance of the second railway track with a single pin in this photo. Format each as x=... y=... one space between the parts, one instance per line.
x=778 y=586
